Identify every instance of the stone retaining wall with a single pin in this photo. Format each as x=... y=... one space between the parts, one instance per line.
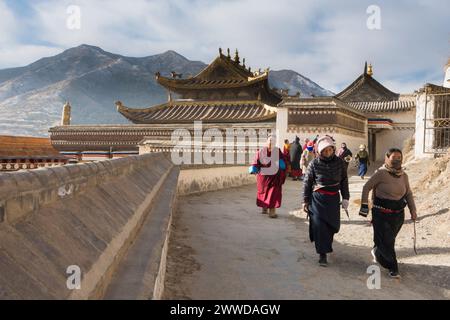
x=83 y=215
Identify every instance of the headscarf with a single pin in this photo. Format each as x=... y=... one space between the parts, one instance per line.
x=325 y=142
x=394 y=167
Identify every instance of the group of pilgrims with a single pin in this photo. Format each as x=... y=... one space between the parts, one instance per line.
x=323 y=171
x=299 y=157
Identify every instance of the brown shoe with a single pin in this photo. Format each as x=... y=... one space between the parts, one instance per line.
x=272 y=213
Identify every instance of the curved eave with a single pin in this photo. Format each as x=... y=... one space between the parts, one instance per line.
x=210 y=112
x=385 y=106
x=193 y=84
x=326 y=102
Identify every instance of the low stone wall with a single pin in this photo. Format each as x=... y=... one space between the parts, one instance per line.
x=83 y=215
x=197 y=180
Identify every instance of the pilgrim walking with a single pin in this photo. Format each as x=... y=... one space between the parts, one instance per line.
x=362 y=157
x=325 y=177
x=270 y=176
x=295 y=154
x=391 y=193
x=308 y=155
x=286 y=153
x=345 y=154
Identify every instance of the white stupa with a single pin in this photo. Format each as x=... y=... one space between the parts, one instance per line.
x=447 y=75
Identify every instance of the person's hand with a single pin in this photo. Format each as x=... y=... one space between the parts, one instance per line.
x=364 y=210
x=345 y=204
x=413 y=216
x=305 y=207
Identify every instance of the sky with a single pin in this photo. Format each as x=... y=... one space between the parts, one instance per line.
x=407 y=41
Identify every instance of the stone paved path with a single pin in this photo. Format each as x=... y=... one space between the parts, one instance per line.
x=223 y=248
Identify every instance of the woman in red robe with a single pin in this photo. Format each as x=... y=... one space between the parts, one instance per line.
x=269 y=178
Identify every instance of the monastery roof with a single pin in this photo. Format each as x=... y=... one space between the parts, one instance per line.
x=205 y=111
x=223 y=72
x=14 y=147
x=367 y=95
x=318 y=102
x=404 y=103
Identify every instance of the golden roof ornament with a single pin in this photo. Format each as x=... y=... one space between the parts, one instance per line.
x=370 y=70
x=220 y=51
x=65 y=119
x=228 y=53
x=243 y=62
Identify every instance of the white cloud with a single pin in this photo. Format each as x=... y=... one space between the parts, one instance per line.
x=14 y=54
x=8 y=25
x=325 y=41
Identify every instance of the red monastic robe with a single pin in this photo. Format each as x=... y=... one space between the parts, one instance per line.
x=269 y=186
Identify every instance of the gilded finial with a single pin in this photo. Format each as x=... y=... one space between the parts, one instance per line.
x=249 y=69
x=65 y=120
x=228 y=53
x=220 y=51
x=243 y=62
x=370 y=70
x=236 y=56
x=365 y=68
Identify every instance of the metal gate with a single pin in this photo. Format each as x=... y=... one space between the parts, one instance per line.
x=437 y=124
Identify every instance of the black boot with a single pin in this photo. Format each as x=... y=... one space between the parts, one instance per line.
x=323 y=260
x=394 y=274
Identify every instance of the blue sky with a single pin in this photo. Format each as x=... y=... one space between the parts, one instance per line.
x=327 y=41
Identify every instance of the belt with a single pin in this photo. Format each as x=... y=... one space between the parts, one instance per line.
x=384 y=210
x=330 y=193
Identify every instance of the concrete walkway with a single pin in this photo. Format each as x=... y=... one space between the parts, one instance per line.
x=221 y=247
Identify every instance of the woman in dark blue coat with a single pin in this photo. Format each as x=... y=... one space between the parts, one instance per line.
x=326 y=176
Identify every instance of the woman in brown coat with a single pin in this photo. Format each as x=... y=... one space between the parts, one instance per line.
x=391 y=194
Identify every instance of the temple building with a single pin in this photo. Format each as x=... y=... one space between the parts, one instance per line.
x=18 y=153
x=309 y=117
x=366 y=112
x=390 y=116
x=227 y=95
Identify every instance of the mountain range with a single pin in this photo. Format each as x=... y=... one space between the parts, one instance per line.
x=91 y=79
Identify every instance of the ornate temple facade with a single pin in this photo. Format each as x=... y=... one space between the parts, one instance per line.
x=366 y=112
x=227 y=96
x=309 y=117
